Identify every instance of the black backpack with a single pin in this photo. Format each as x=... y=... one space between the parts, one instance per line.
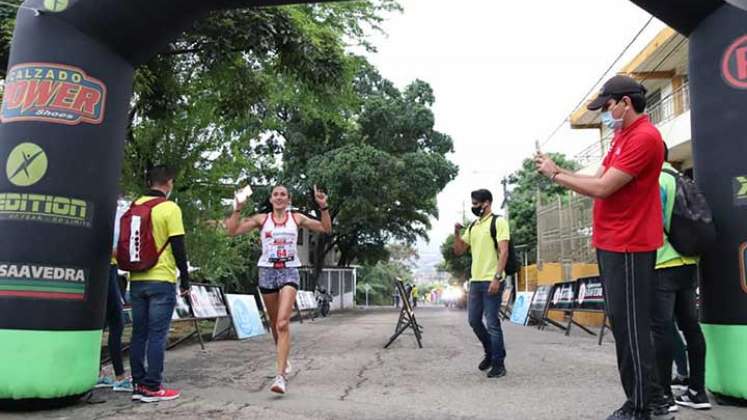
x=691 y=230
x=512 y=263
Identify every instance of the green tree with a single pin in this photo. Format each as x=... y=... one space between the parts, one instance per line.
x=379 y=278
x=458 y=266
x=383 y=166
x=522 y=203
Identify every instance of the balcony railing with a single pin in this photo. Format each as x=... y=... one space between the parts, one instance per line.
x=670 y=107
x=663 y=111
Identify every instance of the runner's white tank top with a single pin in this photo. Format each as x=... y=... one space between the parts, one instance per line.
x=279 y=239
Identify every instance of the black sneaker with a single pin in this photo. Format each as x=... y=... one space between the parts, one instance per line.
x=485 y=364
x=680 y=383
x=498 y=371
x=661 y=412
x=692 y=399
x=623 y=413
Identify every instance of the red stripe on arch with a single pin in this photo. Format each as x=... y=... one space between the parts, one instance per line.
x=42 y=295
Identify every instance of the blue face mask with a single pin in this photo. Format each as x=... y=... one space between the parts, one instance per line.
x=611 y=122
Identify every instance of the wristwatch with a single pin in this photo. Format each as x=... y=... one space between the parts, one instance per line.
x=498 y=277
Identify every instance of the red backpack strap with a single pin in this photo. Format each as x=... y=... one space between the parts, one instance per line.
x=154 y=202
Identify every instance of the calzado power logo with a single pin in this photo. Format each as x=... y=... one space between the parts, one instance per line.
x=27 y=165
x=52 y=93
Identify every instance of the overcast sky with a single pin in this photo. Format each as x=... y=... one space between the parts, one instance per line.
x=504 y=74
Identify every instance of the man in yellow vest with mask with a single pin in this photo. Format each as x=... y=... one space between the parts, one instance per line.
x=676 y=284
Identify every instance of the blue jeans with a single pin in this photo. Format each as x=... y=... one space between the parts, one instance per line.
x=114 y=321
x=482 y=303
x=153 y=304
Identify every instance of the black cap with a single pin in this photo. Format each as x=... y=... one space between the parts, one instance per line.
x=616 y=87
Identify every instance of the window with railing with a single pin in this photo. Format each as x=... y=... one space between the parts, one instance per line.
x=661 y=111
x=671 y=106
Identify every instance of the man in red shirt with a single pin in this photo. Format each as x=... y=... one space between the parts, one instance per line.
x=627 y=232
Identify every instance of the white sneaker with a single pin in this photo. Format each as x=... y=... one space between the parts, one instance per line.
x=279 y=385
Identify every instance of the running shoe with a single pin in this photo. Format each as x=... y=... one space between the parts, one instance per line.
x=497 y=371
x=104 y=382
x=280 y=385
x=692 y=399
x=125 y=385
x=161 y=394
x=485 y=364
x=137 y=392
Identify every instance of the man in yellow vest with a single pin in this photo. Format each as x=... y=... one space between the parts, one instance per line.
x=489 y=257
x=676 y=283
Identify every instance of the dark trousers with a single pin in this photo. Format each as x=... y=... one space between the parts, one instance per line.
x=483 y=304
x=675 y=299
x=628 y=280
x=114 y=321
x=680 y=353
x=153 y=304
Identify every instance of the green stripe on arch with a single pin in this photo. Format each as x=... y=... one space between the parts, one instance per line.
x=726 y=364
x=42 y=288
x=48 y=364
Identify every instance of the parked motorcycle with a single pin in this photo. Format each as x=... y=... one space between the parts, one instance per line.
x=323 y=300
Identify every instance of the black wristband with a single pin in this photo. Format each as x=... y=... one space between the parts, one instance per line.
x=323 y=208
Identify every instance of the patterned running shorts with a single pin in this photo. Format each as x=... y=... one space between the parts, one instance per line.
x=271 y=280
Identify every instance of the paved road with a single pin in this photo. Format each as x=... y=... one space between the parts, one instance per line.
x=341 y=371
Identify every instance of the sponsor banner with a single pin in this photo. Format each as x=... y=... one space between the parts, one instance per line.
x=539 y=301
x=207 y=301
x=42 y=281
x=30 y=207
x=564 y=296
x=245 y=316
x=305 y=300
x=520 y=310
x=590 y=294
x=53 y=93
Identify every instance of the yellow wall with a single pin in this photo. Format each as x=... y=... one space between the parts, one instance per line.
x=550 y=274
x=584 y=270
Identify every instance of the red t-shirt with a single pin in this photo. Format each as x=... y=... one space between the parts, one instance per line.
x=631 y=220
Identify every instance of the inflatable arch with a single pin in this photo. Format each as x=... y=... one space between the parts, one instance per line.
x=64 y=117
x=717 y=31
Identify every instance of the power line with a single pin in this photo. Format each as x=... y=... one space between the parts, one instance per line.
x=601 y=78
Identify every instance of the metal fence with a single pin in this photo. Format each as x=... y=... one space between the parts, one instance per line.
x=564 y=230
x=339 y=282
